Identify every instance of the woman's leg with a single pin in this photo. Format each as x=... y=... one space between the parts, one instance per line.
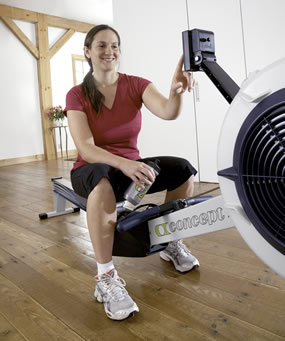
x=101 y=220
x=176 y=251
x=185 y=190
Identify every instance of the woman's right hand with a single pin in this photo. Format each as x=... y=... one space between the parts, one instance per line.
x=139 y=172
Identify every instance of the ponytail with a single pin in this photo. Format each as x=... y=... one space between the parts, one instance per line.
x=91 y=92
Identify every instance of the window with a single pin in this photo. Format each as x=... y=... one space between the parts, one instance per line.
x=80 y=67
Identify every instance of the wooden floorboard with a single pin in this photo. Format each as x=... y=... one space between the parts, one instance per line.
x=47 y=269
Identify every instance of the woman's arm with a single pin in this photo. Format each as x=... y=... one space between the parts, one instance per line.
x=83 y=139
x=168 y=108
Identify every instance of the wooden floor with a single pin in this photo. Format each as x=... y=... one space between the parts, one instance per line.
x=47 y=269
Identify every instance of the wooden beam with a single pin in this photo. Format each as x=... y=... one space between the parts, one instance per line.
x=58 y=45
x=21 y=36
x=45 y=90
x=33 y=17
x=77 y=26
x=18 y=13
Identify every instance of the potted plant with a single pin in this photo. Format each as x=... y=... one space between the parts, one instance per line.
x=56 y=115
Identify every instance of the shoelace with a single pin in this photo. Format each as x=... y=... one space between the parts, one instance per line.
x=180 y=247
x=114 y=286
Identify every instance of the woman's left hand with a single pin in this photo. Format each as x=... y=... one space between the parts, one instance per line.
x=182 y=80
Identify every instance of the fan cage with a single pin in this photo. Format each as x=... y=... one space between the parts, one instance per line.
x=259 y=159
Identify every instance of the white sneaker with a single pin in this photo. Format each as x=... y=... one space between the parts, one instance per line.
x=181 y=257
x=110 y=290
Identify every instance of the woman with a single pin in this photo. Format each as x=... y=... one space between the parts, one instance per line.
x=104 y=119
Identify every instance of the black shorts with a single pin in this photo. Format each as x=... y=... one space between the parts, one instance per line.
x=174 y=172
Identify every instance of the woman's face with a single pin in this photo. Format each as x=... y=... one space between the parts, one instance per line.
x=104 y=51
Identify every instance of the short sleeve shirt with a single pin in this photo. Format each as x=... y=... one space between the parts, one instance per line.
x=115 y=130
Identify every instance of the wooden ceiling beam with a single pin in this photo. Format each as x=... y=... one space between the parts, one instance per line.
x=18 y=14
x=67 y=24
x=58 y=45
x=53 y=21
x=21 y=36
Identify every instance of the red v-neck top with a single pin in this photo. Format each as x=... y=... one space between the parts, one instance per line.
x=115 y=130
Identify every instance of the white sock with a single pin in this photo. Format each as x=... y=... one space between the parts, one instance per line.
x=104 y=268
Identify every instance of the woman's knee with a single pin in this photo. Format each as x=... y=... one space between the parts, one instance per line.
x=102 y=190
x=183 y=191
x=101 y=199
x=190 y=184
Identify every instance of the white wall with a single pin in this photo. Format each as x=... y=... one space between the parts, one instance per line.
x=20 y=119
x=211 y=106
x=151 y=33
x=264 y=30
x=248 y=36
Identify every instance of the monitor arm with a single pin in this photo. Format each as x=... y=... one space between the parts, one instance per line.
x=199 y=55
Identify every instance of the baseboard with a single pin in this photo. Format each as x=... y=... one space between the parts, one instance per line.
x=32 y=158
x=23 y=159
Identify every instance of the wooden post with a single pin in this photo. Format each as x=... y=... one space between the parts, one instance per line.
x=45 y=90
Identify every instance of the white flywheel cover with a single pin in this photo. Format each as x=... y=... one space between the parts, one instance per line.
x=251 y=163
